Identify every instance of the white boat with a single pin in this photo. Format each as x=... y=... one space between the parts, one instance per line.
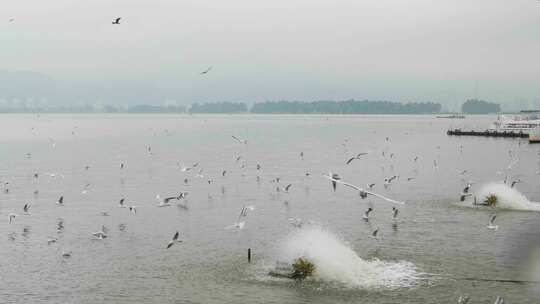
x=525 y=123
x=534 y=136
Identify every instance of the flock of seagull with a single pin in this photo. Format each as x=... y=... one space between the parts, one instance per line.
x=334 y=179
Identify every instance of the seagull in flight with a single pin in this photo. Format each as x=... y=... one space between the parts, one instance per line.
x=12 y=217
x=85 y=189
x=358 y=156
x=467 y=188
x=26 y=208
x=100 y=235
x=174 y=240
x=121 y=203
x=389 y=180
x=206 y=71
x=116 y=21
x=296 y=222
x=243 y=213
x=285 y=189
x=167 y=201
x=366 y=214
x=363 y=193
x=395 y=212
x=334 y=177
x=242 y=141
x=133 y=209
x=200 y=173
x=463 y=196
x=60 y=201
x=491 y=224
x=185 y=169
x=374 y=233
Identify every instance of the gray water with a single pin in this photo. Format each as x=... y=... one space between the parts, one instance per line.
x=442 y=246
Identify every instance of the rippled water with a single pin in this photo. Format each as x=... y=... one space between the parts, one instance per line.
x=437 y=250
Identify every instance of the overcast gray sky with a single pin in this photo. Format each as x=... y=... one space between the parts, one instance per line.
x=414 y=50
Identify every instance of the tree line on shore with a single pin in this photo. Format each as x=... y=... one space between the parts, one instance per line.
x=471 y=106
x=319 y=107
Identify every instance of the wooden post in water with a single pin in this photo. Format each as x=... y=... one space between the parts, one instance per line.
x=249 y=255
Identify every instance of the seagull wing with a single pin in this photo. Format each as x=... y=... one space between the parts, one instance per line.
x=167 y=199
x=287 y=187
x=236 y=138
x=362 y=190
x=384 y=197
x=175 y=237
x=350 y=160
x=343 y=183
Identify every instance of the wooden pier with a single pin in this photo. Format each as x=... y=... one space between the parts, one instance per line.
x=487 y=133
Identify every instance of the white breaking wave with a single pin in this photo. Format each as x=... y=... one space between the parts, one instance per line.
x=336 y=262
x=508 y=198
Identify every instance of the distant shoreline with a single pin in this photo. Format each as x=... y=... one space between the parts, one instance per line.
x=249 y=113
x=345 y=107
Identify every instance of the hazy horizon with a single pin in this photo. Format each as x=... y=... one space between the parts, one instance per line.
x=414 y=51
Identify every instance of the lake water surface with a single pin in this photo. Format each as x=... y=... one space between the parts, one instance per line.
x=437 y=250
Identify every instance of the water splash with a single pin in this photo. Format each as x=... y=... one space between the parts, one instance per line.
x=508 y=198
x=336 y=262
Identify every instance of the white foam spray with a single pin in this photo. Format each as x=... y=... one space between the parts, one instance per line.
x=508 y=198
x=336 y=262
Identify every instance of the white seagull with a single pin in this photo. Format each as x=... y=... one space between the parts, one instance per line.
x=395 y=212
x=243 y=213
x=357 y=156
x=206 y=71
x=185 y=169
x=374 y=233
x=363 y=193
x=167 y=201
x=366 y=214
x=100 y=235
x=491 y=224
x=174 y=240
x=242 y=141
